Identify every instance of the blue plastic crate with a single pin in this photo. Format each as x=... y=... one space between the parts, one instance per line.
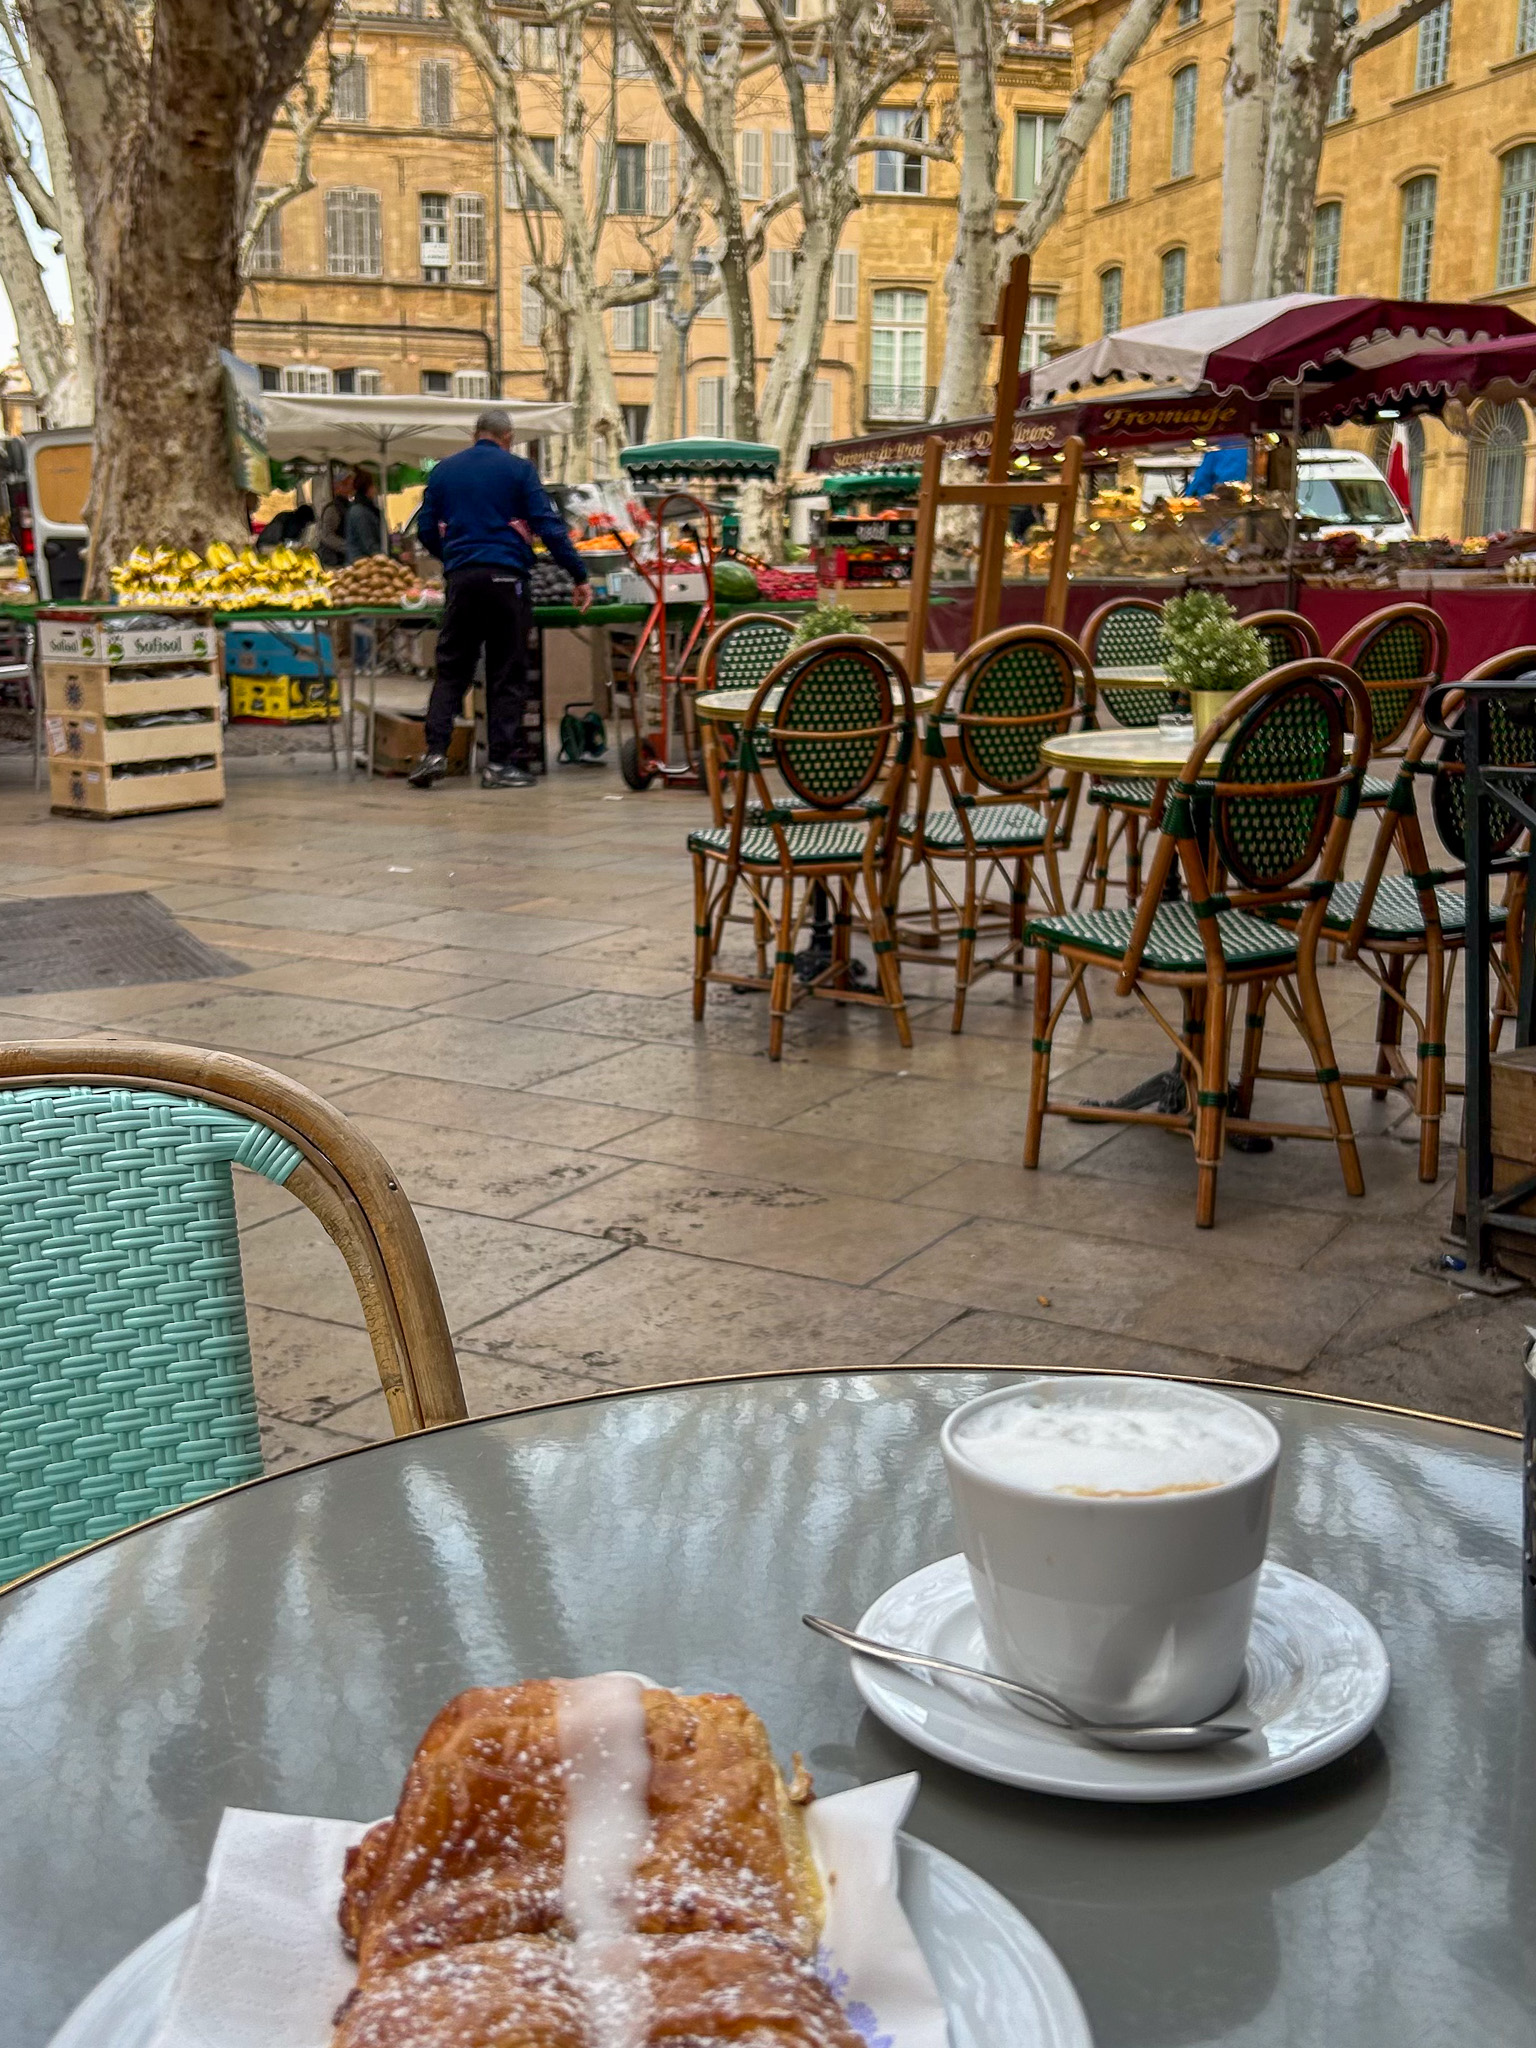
x=277 y=651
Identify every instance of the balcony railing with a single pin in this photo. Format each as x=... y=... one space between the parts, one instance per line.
x=898 y=401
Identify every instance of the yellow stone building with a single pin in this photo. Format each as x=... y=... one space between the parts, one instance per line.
x=405 y=268
x=1427 y=189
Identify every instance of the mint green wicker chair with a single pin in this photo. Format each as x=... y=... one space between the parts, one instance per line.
x=1281 y=803
x=994 y=812
x=835 y=718
x=1125 y=633
x=126 y=1385
x=1399 y=653
x=736 y=656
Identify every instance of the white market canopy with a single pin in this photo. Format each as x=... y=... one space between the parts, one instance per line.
x=393 y=429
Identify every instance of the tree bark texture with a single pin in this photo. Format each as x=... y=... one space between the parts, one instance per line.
x=970 y=281
x=1245 y=100
x=164 y=142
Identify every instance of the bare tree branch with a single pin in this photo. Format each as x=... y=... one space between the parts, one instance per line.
x=1370 y=35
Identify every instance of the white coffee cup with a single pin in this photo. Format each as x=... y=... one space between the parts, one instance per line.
x=1114 y=1530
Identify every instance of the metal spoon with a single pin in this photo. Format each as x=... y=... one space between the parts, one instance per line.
x=1194 y=1735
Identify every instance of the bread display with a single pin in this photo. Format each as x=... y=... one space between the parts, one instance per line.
x=588 y=1864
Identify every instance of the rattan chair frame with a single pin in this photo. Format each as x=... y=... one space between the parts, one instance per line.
x=1202 y=1043
x=1116 y=823
x=977 y=915
x=1306 y=641
x=863 y=885
x=717 y=745
x=1389 y=732
x=1390 y=962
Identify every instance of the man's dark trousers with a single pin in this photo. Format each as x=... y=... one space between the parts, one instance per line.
x=487 y=606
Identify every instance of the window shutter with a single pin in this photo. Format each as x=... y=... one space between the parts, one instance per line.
x=623 y=316
x=751 y=173
x=845 y=289
x=370 y=383
x=468 y=238
x=782 y=167
x=659 y=163
x=532 y=329
x=471 y=383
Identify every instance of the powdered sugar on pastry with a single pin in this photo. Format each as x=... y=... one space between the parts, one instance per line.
x=607 y=1764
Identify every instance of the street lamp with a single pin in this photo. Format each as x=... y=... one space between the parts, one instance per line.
x=701 y=270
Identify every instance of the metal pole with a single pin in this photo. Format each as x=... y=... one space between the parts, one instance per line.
x=1293 y=510
x=1478 y=1130
x=684 y=327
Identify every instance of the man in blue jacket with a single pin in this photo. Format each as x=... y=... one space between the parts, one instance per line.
x=481 y=510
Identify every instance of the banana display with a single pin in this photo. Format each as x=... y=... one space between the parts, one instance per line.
x=286 y=579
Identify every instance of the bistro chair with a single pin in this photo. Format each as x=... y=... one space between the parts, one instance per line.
x=1125 y=633
x=1287 y=636
x=1399 y=653
x=1396 y=917
x=1280 y=797
x=1007 y=695
x=736 y=656
x=126 y=1384
x=841 y=731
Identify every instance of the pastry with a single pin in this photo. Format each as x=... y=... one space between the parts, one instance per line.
x=477 y=1849
x=668 y=1991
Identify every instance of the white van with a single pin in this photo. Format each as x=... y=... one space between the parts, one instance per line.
x=1343 y=489
x=47 y=481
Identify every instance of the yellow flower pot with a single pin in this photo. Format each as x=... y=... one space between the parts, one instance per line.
x=1206 y=706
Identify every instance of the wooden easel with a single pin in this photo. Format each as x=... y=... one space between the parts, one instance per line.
x=996 y=497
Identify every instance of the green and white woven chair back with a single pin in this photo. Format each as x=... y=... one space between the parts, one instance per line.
x=1031 y=681
x=125 y=1362
x=836 y=689
x=1507 y=743
x=1396 y=664
x=1269 y=840
x=1283 y=643
x=1135 y=704
x=748 y=651
x=1130 y=636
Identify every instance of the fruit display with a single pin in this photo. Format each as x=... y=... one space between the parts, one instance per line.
x=548 y=583
x=376 y=580
x=786 y=586
x=735 y=582
x=286 y=579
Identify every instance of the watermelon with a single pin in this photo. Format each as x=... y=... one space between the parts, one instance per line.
x=735 y=582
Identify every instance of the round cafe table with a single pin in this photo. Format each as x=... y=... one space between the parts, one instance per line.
x=283 y=1646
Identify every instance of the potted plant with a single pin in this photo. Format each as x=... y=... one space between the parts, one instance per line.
x=822 y=621
x=1211 y=652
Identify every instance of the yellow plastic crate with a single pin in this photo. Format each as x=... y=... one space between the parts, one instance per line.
x=284 y=700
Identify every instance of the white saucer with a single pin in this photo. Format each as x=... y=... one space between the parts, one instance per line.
x=1318 y=1676
x=998 y=1977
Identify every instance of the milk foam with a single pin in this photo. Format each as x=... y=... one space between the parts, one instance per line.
x=1113 y=1443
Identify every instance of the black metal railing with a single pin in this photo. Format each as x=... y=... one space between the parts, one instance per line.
x=899 y=401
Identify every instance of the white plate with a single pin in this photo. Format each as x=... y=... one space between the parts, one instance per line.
x=997 y=1977
x=1317 y=1678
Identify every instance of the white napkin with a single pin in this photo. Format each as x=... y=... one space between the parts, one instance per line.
x=264 y=1966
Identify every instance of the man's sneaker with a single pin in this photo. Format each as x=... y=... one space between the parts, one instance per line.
x=429 y=769
x=504 y=775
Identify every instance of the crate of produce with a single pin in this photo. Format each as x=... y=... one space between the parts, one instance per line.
x=99 y=739
x=136 y=641
x=278 y=651
x=399 y=743
x=117 y=693
x=100 y=790
x=284 y=700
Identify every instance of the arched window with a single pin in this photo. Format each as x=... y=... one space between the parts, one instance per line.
x=1496 y=469
x=1517 y=217
x=1418 y=237
x=1175 y=265
x=1111 y=299
x=1186 y=87
x=1327 y=227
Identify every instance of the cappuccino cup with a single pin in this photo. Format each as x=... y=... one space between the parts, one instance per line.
x=1115 y=1529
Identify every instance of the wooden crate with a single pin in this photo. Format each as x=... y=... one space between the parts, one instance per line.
x=1512 y=1118
x=94 y=741
x=80 y=789
x=106 y=640
x=93 y=689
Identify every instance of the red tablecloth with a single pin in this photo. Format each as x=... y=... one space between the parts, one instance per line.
x=1481 y=623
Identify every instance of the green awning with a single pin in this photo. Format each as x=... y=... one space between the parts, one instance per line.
x=872 y=483
x=700 y=456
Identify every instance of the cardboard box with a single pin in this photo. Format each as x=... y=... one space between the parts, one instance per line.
x=1512 y=1117
x=93 y=791
x=93 y=740
x=284 y=700
x=106 y=640
x=400 y=742
x=105 y=693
